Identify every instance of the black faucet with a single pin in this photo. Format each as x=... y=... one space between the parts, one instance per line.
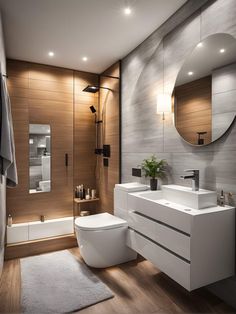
x=195 y=178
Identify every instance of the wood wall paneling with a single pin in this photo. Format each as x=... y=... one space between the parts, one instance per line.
x=84 y=134
x=42 y=94
x=109 y=109
x=193 y=110
x=49 y=95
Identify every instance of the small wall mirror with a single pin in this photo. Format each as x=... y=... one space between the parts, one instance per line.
x=204 y=95
x=39 y=158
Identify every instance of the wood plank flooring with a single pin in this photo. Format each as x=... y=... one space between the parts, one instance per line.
x=138 y=286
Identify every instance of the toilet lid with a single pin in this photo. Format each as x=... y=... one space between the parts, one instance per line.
x=99 y=222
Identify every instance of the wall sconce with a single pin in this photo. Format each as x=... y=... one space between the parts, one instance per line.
x=164 y=104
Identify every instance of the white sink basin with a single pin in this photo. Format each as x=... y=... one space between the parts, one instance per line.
x=174 y=204
x=185 y=196
x=152 y=195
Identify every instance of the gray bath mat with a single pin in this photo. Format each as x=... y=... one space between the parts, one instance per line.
x=58 y=283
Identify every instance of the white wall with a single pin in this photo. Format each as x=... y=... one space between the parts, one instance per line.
x=2 y=182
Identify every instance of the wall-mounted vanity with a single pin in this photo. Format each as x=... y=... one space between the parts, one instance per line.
x=183 y=232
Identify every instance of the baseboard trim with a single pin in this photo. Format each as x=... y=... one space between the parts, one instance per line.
x=35 y=247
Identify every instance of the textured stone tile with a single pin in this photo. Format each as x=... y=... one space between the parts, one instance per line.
x=177 y=47
x=221 y=123
x=224 y=102
x=224 y=79
x=143 y=132
x=218 y=17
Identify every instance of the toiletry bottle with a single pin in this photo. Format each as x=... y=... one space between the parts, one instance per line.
x=76 y=191
x=88 y=195
x=222 y=199
x=79 y=192
x=9 y=220
x=83 y=191
x=93 y=194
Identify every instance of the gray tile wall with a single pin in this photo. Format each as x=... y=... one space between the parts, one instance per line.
x=223 y=99
x=143 y=131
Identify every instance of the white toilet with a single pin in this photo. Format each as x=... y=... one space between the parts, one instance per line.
x=102 y=237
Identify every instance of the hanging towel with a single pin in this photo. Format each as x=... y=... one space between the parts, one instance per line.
x=7 y=146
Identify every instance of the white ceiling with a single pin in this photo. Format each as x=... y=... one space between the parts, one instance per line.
x=98 y=29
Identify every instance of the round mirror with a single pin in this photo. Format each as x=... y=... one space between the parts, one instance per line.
x=204 y=95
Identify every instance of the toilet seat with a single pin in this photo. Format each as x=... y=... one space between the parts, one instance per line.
x=97 y=222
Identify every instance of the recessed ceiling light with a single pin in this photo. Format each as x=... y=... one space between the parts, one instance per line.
x=190 y=73
x=127 y=11
x=85 y=59
x=51 y=54
x=199 y=45
x=222 y=50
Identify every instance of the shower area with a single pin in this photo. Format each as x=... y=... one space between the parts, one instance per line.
x=103 y=137
x=65 y=136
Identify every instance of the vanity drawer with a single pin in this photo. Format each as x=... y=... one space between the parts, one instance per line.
x=173 y=240
x=162 y=212
x=174 y=267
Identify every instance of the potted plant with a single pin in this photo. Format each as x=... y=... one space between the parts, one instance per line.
x=154 y=169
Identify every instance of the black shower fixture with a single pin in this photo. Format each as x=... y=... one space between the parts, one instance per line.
x=93 y=109
x=200 y=140
x=93 y=88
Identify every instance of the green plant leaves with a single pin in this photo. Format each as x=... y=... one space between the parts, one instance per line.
x=154 y=168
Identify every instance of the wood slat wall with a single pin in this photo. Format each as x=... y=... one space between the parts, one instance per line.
x=109 y=103
x=49 y=95
x=44 y=95
x=84 y=134
x=193 y=111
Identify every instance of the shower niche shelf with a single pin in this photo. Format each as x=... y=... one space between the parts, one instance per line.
x=78 y=203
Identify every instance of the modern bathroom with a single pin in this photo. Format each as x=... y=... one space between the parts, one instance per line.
x=117 y=156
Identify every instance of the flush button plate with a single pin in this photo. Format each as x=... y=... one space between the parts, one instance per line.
x=136 y=172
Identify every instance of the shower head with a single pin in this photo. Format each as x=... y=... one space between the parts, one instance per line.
x=91 y=89
x=94 y=89
x=93 y=109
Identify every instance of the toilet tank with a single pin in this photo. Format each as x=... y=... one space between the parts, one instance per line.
x=120 y=197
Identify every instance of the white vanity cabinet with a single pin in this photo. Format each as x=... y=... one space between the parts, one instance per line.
x=193 y=247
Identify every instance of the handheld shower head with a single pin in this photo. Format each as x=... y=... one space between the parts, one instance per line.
x=93 y=109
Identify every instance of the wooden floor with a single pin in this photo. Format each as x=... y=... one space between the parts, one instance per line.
x=138 y=287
